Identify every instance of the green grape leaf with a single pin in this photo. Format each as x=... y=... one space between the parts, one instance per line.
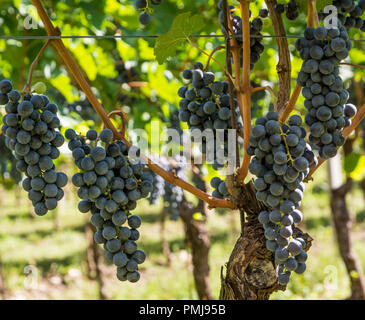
x=182 y=27
x=357 y=56
x=302 y=5
x=320 y=4
x=356 y=166
x=351 y=162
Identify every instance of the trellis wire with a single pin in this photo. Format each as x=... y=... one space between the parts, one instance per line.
x=144 y=37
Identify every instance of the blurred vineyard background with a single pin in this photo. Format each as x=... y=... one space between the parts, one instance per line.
x=53 y=257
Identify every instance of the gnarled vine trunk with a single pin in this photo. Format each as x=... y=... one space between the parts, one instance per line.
x=250 y=272
x=95 y=262
x=342 y=222
x=164 y=243
x=198 y=239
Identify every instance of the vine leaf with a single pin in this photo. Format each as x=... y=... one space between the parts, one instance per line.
x=302 y=6
x=320 y=4
x=182 y=27
x=353 y=162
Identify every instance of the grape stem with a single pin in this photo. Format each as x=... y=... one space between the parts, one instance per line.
x=206 y=68
x=122 y=115
x=291 y=103
x=272 y=93
x=244 y=95
x=27 y=86
x=75 y=71
x=353 y=65
x=23 y=65
x=283 y=67
x=230 y=83
x=313 y=19
x=346 y=132
x=210 y=56
x=137 y=84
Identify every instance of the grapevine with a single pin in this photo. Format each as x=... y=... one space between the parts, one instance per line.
x=110 y=180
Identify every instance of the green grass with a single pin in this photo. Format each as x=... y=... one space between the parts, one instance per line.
x=56 y=245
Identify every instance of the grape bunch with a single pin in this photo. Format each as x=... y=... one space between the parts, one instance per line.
x=281 y=161
x=158 y=188
x=206 y=105
x=256 y=46
x=290 y=9
x=322 y=50
x=349 y=13
x=8 y=171
x=144 y=7
x=110 y=181
x=221 y=191
x=31 y=132
x=126 y=74
x=172 y=195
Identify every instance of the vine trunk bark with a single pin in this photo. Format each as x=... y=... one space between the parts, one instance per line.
x=198 y=239
x=342 y=222
x=283 y=66
x=164 y=243
x=95 y=262
x=251 y=272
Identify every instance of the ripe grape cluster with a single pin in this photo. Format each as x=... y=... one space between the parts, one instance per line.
x=290 y=9
x=256 y=46
x=281 y=161
x=144 y=7
x=125 y=75
x=172 y=195
x=220 y=187
x=31 y=131
x=8 y=171
x=322 y=50
x=205 y=104
x=82 y=107
x=110 y=181
x=349 y=13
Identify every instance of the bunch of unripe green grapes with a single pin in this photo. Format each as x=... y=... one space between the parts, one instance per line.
x=111 y=180
x=325 y=96
x=281 y=160
x=31 y=129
